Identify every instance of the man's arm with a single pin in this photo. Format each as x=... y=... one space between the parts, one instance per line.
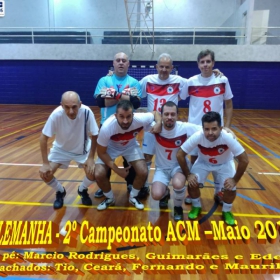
x=228 y=112
x=45 y=169
x=104 y=156
x=90 y=164
x=191 y=178
x=241 y=167
x=158 y=126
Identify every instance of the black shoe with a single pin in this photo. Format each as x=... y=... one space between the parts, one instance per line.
x=163 y=203
x=99 y=193
x=58 y=203
x=178 y=213
x=85 y=197
x=143 y=193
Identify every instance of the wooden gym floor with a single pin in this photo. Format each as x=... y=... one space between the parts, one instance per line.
x=24 y=197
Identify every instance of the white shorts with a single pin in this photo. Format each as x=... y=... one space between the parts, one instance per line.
x=130 y=154
x=149 y=143
x=64 y=158
x=165 y=175
x=221 y=172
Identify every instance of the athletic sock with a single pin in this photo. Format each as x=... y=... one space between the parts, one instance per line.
x=179 y=196
x=56 y=185
x=85 y=184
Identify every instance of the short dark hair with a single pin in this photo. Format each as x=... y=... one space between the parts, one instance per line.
x=169 y=104
x=204 y=53
x=125 y=105
x=211 y=117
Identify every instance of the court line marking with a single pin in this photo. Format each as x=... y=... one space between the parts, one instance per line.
x=19 y=203
x=266 y=173
x=9 y=134
x=257 y=153
x=255 y=141
x=40 y=164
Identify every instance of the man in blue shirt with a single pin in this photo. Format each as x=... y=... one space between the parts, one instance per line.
x=111 y=89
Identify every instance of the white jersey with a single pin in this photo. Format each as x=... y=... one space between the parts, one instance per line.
x=220 y=151
x=160 y=91
x=71 y=135
x=168 y=143
x=111 y=134
x=207 y=94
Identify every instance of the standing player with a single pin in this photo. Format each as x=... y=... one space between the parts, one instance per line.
x=216 y=150
x=117 y=138
x=75 y=130
x=208 y=92
x=168 y=142
x=109 y=91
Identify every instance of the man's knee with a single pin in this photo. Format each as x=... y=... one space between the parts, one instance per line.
x=157 y=192
x=141 y=169
x=100 y=172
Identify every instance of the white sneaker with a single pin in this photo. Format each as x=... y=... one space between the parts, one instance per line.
x=106 y=203
x=136 y=203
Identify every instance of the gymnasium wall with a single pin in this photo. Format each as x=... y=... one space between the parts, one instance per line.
x=254 y=84
x=39 y=74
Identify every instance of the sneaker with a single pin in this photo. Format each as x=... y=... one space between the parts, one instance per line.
x=136 y=203
x=178 y=213
x=144 y=192
x=218 y=197
x=129 y=187
x=229 y=218
x=195 y=211
x=106 y=203
x=86 y=200
x=188 y=199
x=163 y=203
x=58 y=203
x=99 y=193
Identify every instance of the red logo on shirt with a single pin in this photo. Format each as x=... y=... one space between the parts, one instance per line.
x=171 y=142
x=162 y=90
x=127 y=136
x=212 y=152
x=207 y=91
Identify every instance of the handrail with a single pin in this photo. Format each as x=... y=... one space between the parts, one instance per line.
x=258 y=34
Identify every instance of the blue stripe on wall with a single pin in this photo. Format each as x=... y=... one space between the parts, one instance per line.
x=254 y=84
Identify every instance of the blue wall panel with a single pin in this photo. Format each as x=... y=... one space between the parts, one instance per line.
x=254 y=84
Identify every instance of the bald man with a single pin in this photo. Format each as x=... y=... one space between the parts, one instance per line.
x=75 y=131
x=112 y=89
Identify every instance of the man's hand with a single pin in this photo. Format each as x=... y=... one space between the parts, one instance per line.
x=123 y=172
x=228 y=130
x=229 y=184
x=218 y=73
x=89 y=166
x=110 y=93
x=192 y=180
x=156 y=128
x=45 y=171
x=110 y=73
x=130 y=91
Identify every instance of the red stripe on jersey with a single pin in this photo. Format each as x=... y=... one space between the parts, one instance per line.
x=212 y=152
x=127 y=135
x=162 y=90
x=207 y=91
x=171 y=143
